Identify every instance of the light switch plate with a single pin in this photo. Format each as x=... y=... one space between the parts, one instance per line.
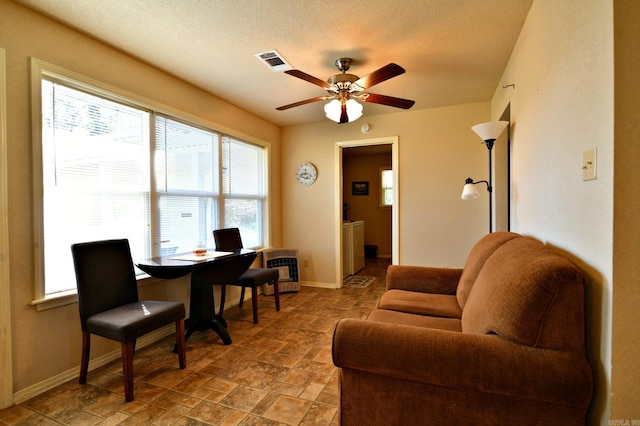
x=589 y=164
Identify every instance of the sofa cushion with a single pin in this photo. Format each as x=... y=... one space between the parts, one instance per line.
x=476 y=259
x=515 y=299
x=401 y=318
x=413 y=302
x=423 y=279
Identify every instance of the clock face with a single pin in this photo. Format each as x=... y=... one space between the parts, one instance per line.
x=306 y=173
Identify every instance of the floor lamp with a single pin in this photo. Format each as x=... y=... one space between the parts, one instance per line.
x=489 y=132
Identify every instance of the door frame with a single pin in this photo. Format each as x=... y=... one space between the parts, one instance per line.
x=395 y=211
x=6 y=365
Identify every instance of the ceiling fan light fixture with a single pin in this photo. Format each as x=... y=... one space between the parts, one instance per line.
x=346 y=89
x=354 y=110
x=333 y=110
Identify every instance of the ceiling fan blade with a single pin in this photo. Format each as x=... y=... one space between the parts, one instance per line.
x=311 y=79
x=344 y=118
x=386 y=100
x=306 y=101
x=378 y=76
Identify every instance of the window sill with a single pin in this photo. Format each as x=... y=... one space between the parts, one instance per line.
x=70 y=296
x=55 y=301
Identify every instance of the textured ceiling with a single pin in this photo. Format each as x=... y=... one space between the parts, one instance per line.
x=454 y=51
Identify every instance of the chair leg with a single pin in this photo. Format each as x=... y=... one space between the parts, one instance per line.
x=276 y=293
x=182 y=357
x=84 y=363
x=254 y=303
x=242 y=297
x=127 y=369
x=223 y=294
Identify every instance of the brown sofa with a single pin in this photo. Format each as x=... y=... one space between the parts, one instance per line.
x=500 y=341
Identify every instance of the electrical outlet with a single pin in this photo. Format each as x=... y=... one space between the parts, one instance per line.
x=589 y=164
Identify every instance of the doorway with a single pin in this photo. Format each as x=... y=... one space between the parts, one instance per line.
x=388 y=145
x=502 y=176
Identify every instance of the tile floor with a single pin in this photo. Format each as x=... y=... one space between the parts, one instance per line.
x=278 y=372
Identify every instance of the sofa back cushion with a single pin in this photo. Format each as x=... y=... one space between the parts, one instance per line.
x=476 y=259
x=530 y=295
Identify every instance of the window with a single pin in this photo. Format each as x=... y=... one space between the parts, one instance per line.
x=386 y=187
x=185 y=206
x=242 y=189
x=115 y=169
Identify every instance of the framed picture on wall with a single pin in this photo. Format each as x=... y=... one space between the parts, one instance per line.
x=360 y=188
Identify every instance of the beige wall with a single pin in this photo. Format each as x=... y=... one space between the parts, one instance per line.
x=46 y=345
x=436 y=151
x=562 y=105
x=377 y=220
x=625 y=374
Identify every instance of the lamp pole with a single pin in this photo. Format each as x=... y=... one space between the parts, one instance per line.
x=489 y=143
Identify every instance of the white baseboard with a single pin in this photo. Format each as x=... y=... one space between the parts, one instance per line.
x=52 y=382
x=318 y=284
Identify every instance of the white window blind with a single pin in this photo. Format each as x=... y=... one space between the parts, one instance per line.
x=95 y=176
x=243 y=189
x=186 y=165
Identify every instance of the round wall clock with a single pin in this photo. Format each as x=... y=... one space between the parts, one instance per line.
x=306 y=173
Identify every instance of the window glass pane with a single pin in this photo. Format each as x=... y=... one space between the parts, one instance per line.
x=186 y=170
x=245 y=215
x=242 y=172
x=185 y=221
x=95 y=176
x=386 y=190
x=185 y=156
x=243 y=189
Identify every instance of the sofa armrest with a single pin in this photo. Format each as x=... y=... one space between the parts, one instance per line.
x=464 y=361
x=423 y=279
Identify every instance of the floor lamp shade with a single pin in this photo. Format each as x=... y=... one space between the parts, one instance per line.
x=490 y=130
x=470 y=192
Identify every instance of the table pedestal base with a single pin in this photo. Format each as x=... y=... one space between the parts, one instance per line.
x=219 y=325
x=204 y=275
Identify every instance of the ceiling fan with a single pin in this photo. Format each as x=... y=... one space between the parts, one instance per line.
x=344 y=89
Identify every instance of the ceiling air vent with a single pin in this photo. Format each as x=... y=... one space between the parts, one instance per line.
x=274 y=61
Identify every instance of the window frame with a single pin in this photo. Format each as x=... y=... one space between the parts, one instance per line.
x=42 y=70
x=382 y=188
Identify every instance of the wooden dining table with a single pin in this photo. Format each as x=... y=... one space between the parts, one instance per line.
x=214 y=268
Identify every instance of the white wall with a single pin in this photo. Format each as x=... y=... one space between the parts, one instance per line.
x=562 y=105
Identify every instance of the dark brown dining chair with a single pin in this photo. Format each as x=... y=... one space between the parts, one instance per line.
x=109 y=305
x=229 y=239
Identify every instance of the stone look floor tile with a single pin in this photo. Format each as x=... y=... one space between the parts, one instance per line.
x=244 y=398
x=288 y=410
x=319 y=414
x=14 y=414
x=210 y=412
x=278 y=372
